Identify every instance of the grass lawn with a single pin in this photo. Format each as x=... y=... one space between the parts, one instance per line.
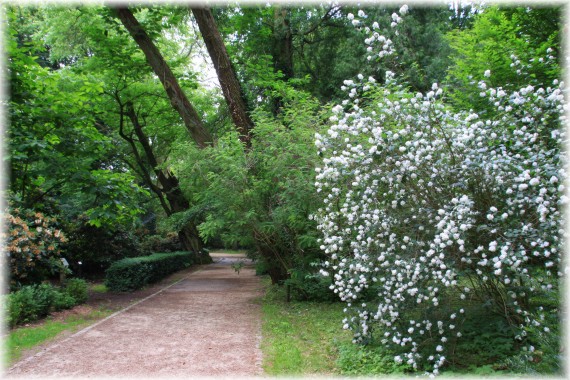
x=98 y=288
x=300 y=338
x=25 y=338
x=306 y=338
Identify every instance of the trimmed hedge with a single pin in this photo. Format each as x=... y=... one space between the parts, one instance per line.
x=130 y=274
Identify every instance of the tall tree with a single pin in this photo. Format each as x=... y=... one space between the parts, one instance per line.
x=498 y=39
x=169 y=183
x=169 y=188
x=60 y=163
x=136 y=110
x=177 y=97
x=229 y=82
x=283 y=41
x=275 y=239
x=319 y=47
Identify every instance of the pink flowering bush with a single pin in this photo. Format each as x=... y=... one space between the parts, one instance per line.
x=437 y=211
x=33 y=245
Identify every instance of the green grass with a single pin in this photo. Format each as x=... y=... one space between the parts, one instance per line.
x=300 y=338
x=25 y=338
x=98 y=288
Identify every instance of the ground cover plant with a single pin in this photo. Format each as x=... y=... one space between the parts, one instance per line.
x=446 y=213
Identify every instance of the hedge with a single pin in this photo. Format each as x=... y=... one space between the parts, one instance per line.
x=133 y=273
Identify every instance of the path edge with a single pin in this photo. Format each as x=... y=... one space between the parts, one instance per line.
x=88 y=328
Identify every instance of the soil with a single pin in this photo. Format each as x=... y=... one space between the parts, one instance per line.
x=203 y=321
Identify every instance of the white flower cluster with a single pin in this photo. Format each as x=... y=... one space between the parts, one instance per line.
x=418 y=199
x=377 y=44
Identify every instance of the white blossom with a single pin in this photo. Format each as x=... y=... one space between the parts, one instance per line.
x=411 y=188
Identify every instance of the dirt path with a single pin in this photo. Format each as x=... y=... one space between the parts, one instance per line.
x=205 y=324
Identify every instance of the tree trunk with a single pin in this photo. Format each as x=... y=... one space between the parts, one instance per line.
x=282 y=50
x=191 y=240
x=170 y=188
x=277 y=265
x=177 y=97
x=226 y=74
x=188 y=235
x=282 y=42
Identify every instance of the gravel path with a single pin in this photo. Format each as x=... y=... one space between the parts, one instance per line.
x=206 y=324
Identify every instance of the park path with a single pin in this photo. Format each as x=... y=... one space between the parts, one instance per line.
x=206 y=324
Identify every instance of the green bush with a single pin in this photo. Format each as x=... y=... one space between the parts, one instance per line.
x=77 y=289
x=44 y=295
x=32 y=302
x=22 y=306
x=133 y=273
x=311 y=287
x=62 y=301
x=96 y=248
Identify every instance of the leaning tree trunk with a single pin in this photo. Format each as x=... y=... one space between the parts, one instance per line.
x=178 y=99
x=277 y=262
x=231 y=87
x=169 y=183
x=188 y=234
x=169 y=187
x=191 y=241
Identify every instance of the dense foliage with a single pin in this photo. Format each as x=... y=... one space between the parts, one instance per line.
x=490 y=44
x=260 y=198
x=90 y=250
x=320 y=44
x=60 y=162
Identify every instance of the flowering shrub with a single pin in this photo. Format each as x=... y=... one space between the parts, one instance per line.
x=32 y=244
x=439 y=211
